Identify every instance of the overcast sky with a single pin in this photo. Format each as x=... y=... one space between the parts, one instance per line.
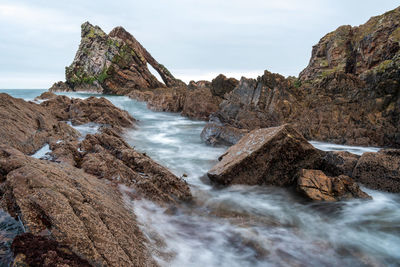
x=195 y=39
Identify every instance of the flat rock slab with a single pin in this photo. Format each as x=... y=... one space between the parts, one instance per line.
x=266 y=156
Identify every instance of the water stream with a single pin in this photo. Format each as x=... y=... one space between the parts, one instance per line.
x=251 y=225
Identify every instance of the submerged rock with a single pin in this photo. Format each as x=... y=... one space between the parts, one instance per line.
x=270 y=156
x=76 y=209
x=379 y=170
x=315 y=185
x=217 y=134
x=28 y=126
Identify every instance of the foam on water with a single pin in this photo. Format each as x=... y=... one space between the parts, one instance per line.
x=359 y=150
x=42 y=153
x=251 y=225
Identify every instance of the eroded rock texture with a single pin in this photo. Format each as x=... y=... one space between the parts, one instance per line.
x=113 y=64
x=76 y=209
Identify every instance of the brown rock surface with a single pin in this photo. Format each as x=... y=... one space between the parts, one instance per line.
x=92 y=109
x=222 y=85
x=379 y=170
x=269 y=156
x=46 y=95
x=216 y=134
x=34 y=250
x=107 y=155
x=337 y=163
x=78 y=210
x=315 y=185
x=28 y=126
x=200 y=104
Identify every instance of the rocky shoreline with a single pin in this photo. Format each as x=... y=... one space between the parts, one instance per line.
x=71 y=203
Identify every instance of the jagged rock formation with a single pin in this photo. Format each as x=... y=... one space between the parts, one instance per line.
x=28 y=126
x=113 y=64
x=348 y=94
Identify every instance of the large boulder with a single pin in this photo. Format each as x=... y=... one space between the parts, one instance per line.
x=270 y=156
x=337 y=163
x=28 y=126
x=315 y=185
x=379 y=170
x=76 y=209
x=113 y=63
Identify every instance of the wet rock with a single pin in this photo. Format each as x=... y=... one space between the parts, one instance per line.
x=31 y=250
x=379 y=170
x=270 y=156
x=106 y=155
x=336 y=163
x=315 y=185
x=114 y=64
x=200 y=104
x=222 y=85
x=28 y=126
x=76 y=209
x=216 y=134
x=92 y=109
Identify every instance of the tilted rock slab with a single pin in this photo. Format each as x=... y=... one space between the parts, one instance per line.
x=270 y=156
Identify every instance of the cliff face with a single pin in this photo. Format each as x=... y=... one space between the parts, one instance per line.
x=115 y=63
x=349 y=93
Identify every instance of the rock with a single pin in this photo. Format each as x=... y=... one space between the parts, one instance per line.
x=28 y=126
x=92 y=109
x=46 y=95
x=337 y=163
x=222 y=85
x=215 y=134
x=107 y=155
x=315 y=185
x=379 y=170
x=34 y=250
x=199 y=85
x=76 y=209
x=60 y=87
x=270 y=156
x=113 y=64
x=200 y=104
x=260 y=103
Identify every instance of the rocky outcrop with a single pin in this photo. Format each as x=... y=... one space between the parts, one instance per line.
x=76 y=209
x=198 y=103
x=270 y=156
x=28 y=126
x=46 y=95
x=222 y=85
x=348 y=94
x=92 y=109
x=217 y=134
x=113 y=64
x=315 y=185
x=61 y=86
x=31 y=250
x=379 y=170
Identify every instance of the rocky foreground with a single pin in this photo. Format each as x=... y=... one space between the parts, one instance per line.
x=71 y=204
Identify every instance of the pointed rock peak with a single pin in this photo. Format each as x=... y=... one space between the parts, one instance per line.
x=90 y=31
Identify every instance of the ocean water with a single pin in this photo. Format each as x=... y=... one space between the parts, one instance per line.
x=250 y=225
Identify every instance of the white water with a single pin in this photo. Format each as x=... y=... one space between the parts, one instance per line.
x=252 y=226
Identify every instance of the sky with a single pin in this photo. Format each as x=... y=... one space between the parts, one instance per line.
x=194 y=39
